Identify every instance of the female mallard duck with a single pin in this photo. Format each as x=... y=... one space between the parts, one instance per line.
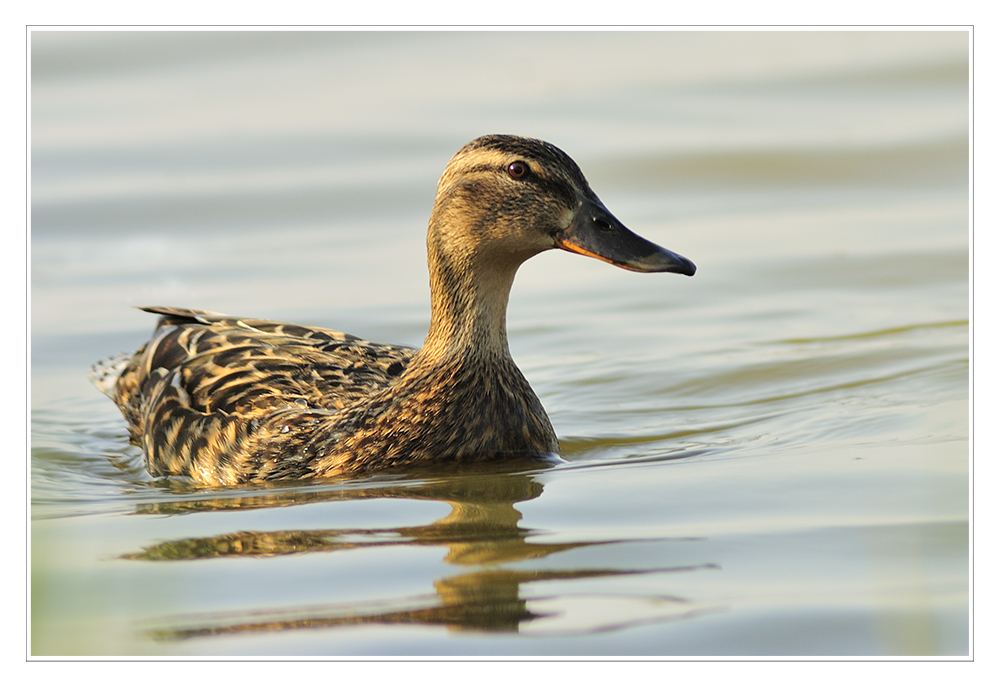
x=225 y=400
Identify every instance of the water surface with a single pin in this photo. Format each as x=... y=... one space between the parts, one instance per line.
x=770 y=458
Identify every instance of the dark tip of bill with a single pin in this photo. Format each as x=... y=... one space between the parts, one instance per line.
x=668 y=261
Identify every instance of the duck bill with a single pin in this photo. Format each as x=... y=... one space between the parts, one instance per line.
x=597 y=233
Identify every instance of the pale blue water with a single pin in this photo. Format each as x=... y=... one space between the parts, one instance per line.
x=769 y=458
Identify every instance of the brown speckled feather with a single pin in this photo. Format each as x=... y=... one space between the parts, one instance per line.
x=225 y=401
x=197 y=393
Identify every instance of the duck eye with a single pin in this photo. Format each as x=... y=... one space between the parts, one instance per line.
x=518 y=170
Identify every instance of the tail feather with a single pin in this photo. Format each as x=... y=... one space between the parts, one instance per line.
x=104 y=373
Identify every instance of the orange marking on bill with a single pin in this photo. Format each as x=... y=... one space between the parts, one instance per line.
x=573 y=248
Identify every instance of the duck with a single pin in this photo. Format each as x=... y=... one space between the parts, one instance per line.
x=224 y=400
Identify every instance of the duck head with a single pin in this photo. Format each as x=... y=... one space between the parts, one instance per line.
x=503 y=199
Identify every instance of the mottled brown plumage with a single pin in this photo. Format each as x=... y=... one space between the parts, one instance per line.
x=225 y=400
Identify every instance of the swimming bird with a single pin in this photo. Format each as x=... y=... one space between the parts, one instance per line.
x=225 y=400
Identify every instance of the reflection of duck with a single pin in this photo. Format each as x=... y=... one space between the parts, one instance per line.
x=481 y=534
x=481 y=529
x=225 y=400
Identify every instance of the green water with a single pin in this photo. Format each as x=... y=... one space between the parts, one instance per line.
x=769 y=458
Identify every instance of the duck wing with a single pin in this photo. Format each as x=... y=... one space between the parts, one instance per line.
x=239 y=364
x=207 y=374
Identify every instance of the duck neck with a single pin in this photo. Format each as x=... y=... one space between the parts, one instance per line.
x=468 y=305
